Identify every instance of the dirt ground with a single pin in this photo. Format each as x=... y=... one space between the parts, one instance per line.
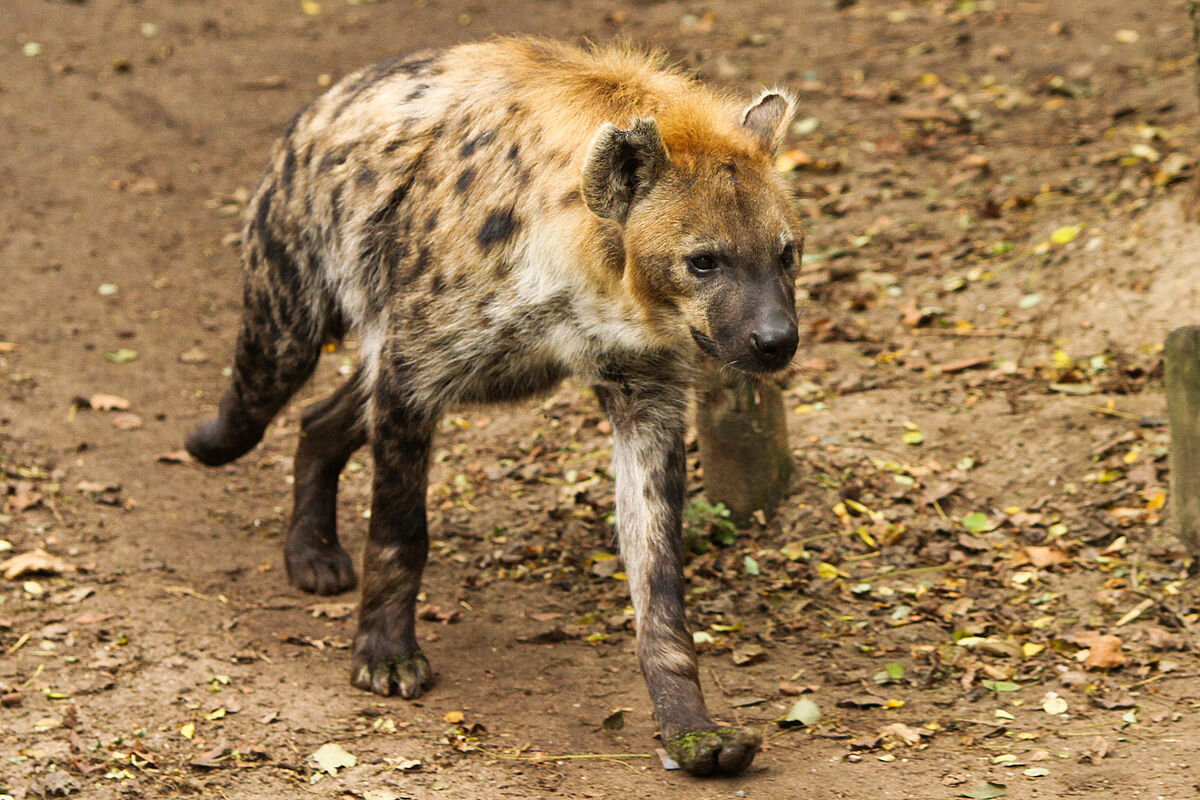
x=974 y=581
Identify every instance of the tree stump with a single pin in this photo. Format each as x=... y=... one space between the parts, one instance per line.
x=744 y=450
x=1183 y=411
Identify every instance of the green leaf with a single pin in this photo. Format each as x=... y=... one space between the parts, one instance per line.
x=750 y=565
x=122 y=356
x=1001 y=686
x=803 y=712
x=976 y=522
x=894 y=670
x=987 y=790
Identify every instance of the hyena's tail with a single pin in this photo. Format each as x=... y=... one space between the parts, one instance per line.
x=285 y=320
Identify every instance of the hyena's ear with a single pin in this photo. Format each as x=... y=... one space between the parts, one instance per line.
x=768 y=116
x=621 y=166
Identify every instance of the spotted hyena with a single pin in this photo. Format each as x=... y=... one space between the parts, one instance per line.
x=489 y=219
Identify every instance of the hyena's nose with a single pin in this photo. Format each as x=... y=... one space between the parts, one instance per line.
x=775 y=342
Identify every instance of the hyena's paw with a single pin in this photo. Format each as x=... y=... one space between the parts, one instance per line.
x=216 y=441
x=408 y=676
x=719 y=751
x=318 y=569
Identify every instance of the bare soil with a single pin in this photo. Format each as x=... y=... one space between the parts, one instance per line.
x=996 y=252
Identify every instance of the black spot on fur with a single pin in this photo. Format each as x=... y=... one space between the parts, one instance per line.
x=383 y=249
x=288 y=173
x=417 y=92
x=395 y=144
x=424 y=259
x=437 y=283
x=335 y=205
x=336 y=157
x=465 y=178
x=470 y=147
x=366 y=177
x=571 y=198
x=263 y=213
x=498 y=227
x=432 y=222
x=290 y=128
x=513 y=151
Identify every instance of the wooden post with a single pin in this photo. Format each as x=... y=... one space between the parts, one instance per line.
x=1182 y=358
x=742 y=428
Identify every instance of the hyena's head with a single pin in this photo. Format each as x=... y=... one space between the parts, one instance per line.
x=710 y=234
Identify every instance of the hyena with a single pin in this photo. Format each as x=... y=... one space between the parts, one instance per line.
x=489 y=219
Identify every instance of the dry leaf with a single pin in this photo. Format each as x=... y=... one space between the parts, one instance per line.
x=127 y=421
x=1044 y=556
x=1104 y=650
x=108 y=402
x=35 y=561
x=1097 y=749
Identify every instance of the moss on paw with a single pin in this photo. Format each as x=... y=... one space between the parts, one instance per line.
x=715 y=751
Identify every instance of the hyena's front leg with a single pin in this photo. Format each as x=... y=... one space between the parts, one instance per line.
x=648 y=460
x=387 y=659
x=330 y=431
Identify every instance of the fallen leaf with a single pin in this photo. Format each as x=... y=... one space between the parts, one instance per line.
x=987 y=790
x=193 y=356
x=803 y=712
x=127 y=421
x=616 y=720
x=1104 y=650
x=332 y=610
x=1053 y=704
x=750 y=654
x=331 y=757
x=1044 y=556
x=1097 y=749
x=108 y=402
x=34 y=562
x=899 y=732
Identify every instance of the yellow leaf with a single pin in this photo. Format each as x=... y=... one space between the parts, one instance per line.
x=1066 y=234
x=1062 y=360
x=894 y=703
x=454 y=717
x=1156 y=501
x=827 y=571
x=1031 y=649
x=188 y=730
x=310 y=7
x=1133 y=455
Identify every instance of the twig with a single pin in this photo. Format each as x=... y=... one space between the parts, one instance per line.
x=1179 y=618
x=1112 y=412
x=952 y=332
x=569 y=757
x=1164 y=676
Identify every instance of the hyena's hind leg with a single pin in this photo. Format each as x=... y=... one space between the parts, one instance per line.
x=330 y=431
x=277 y=350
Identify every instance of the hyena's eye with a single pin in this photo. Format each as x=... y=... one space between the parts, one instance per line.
x=787 y=258
x=702 y=264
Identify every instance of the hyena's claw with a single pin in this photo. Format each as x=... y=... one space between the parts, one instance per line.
x=719 y=751
x=325 y=570
x=408 y=677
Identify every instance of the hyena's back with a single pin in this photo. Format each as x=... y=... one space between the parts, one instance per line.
x=432 y=203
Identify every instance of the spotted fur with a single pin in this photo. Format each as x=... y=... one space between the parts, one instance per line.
x=490 y=219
